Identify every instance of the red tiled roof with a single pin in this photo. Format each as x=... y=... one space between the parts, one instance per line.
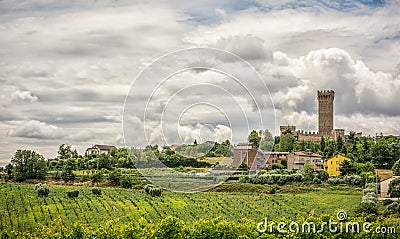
x=308 y=154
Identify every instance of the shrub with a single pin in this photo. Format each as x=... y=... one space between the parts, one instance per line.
x=396 y=168
x=96 y=191
x=84 y=178
x=369 y=197
x=281 y=181
x=268 y=178
x=394 y=207
x=114 y=177
x=262 y=171
x=244 y=179
x=73 y=193
x=153 y=190
x=277 y=166
x=323 y=176
x=56 y=176
x=97 y=177
x=369 y=190
x=273 y=190
x=335 y=181
x=394 y=188
x=126 y=181
x=42 y=190
x=317 y=181
x=353 y=180
x=274 y=171
x=367 y=207
x=370 y=185
x=387 y=201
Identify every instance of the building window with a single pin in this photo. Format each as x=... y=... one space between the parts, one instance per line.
x=331 y=162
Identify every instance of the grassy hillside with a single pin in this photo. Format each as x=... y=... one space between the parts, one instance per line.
x=22 y=210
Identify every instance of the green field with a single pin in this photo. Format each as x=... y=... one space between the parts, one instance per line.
x=22 y=210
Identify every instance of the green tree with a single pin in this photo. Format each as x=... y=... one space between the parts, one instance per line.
x=267 y=141
x=287 y=142
x=67 y=173
x=386 y=152
x=308 y=172
x=394 y=188
x=243 y=167
x=322 y=175
x=396 y=168
x=339 y=144
x=9 y=170
x=367 y=167
x=347 y=168
x=322 y=144
x=97 y=177
x=104 y=162
x=65 y=152
x=114 y=177
x=28 y=164
x=126 y=181
x=254 y=139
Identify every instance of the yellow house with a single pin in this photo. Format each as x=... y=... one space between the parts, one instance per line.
x=331 y=165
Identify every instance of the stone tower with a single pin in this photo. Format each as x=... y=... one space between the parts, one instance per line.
x=325 y=111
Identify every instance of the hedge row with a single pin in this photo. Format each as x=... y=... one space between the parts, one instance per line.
x=369 y=201
x=279 y=179
x=171 y=227
x=351 y=180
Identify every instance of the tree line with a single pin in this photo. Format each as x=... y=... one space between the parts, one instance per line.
x=28 y=164
x=382 y=152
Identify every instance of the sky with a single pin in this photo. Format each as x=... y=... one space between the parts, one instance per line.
x=67 y=68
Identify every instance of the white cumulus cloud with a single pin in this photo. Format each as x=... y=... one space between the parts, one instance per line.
x=24 y=96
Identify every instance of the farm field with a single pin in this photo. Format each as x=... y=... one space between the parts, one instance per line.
x=22 y=210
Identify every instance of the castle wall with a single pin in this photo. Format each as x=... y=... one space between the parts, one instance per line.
x=308 y=137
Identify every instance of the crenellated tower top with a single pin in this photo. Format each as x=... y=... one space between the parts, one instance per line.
x=326 y=95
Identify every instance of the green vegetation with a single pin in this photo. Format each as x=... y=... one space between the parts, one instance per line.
x=286 y=142
x=206 y=149
x=73 y=193
x=27 y=164
x=396 y=168
x=393 y=209
x=284 y=176
x=153 y=190
x=394 y=188
x=382 y=153
x=175 y=228
x=261 y=139
x=42 y=190
x=22 y=210
x=369 y=201
x=96 y=191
